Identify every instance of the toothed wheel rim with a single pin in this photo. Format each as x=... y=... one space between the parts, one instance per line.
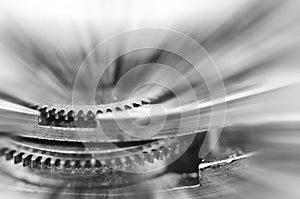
x=62 y=162
x=82 y=115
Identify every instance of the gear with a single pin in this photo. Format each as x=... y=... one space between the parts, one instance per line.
x=94 y=161
x=82 y=116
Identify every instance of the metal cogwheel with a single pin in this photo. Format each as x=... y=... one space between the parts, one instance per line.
x=82 y=116
x=55 y=161
x=105 y=122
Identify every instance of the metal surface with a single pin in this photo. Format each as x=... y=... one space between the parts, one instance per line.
x=74 y=159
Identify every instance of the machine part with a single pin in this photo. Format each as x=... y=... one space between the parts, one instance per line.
x=209 y=168
x=82 y=116
x=76 y=160
x=82 y=170
x=212 y=172
x=114 y=127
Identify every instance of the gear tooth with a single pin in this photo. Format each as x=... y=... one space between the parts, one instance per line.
x=98 y=165
x=77 y=165
x=60 y=164
x=99 y=111
x=160 y=154
x=43 y=114
x=69 y=115
x=44 y=163
x=18 y=157
x=90 y=115
x=117 y=163
x=35 y=161
x=105 y=165
x=53 y=111
x=149 y=157
x=109 y=110
x=74 y=114
x=67 y=165
x=48 y=162
x=27 y=160
x=135 y=105
x=90 y=119
x=127 y=162
x=50 y=117
x=139 y=159
x=80 y=115
x=9 y=154
x=43 y=109
x=87 y=165
x=118 y=108
x=60 y=114
x=155 y=154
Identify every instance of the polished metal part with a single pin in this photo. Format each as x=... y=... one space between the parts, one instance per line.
x=76 y=159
